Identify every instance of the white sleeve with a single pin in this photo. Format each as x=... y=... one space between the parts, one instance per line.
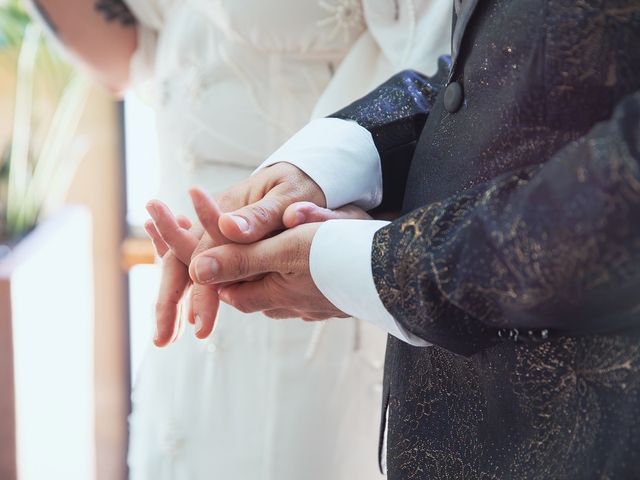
x=340 y=156
x=340 y=263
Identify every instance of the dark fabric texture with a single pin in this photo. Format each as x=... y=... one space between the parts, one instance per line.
x=395 y=114
x=518 y=254
x=554 y=245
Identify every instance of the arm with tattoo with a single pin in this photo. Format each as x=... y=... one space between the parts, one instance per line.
x=116 y=11
x=100 y=34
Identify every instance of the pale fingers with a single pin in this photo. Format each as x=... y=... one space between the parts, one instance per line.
x=159 y=244
x=205 y=304
x=174 y=281
x=208 y=213
x=180 y=324
x=204 y=301
x=180 y=240
x=184 y=222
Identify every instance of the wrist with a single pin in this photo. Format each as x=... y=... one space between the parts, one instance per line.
x=340 y=157
x=300 y=187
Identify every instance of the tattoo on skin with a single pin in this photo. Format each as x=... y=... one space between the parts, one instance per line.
x=45 y=16
x=115 y=11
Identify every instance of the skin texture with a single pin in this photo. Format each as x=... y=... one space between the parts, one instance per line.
x=272 y=274
x=285 y=289
x=257 y=206
x=101 y=35
x=275 y=211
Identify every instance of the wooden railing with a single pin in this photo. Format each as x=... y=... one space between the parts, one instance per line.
x=137 y=251
x=47 y=348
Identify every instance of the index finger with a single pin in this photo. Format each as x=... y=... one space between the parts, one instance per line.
x=209 y=213
x=240 y=262
x=181 y=241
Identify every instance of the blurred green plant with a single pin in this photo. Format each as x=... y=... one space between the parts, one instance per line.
x=13 y=21
x=42 y=156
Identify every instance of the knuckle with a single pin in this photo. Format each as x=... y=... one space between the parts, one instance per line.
x=197 y=293
x=241 y=266
x=245 y=308
x=167 y=231
x=296 y=257
x=278 y=314
x=273 y=292
x=206 y=218
x=244 y=305
x=238 y=301
x=235 y=197
x=262 y=213
x=206 y=243
x=301 y=187
x=226 y=200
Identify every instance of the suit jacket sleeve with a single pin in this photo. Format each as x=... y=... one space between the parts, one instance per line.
x=554 y=247
x=395 y=114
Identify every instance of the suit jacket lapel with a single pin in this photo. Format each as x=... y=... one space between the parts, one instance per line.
x=463 y=11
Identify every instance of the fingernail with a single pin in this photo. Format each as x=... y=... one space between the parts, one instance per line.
x=152 y=210
x=198 y=324
x=242 y=224
x=206 y=269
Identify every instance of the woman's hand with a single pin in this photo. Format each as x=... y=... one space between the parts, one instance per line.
x=175 y=250
x=176 y=241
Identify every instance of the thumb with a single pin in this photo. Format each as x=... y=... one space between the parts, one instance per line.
x=307 y=212
x=256 y=221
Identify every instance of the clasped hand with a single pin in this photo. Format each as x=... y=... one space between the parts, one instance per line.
x=254 y=258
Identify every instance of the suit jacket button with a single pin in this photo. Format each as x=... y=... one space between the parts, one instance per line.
x=453 y=97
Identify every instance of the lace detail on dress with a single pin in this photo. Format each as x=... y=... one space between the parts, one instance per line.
x=345 y=16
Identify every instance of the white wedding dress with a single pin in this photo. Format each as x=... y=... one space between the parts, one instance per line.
x=231 y=81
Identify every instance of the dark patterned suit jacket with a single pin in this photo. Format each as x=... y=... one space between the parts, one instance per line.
x=518 y=255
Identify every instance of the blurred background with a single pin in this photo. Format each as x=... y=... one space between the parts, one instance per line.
x=71 y=253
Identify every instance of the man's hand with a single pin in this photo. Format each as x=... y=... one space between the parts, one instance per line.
x=284 y=288
x=274 y=274
x=256 y=207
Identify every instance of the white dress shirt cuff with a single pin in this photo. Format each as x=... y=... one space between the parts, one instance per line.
x=340 y=156
x=340 y=263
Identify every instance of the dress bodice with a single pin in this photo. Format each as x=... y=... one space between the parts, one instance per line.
x=233 y=79
x=284 y=26
x=288 y=26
